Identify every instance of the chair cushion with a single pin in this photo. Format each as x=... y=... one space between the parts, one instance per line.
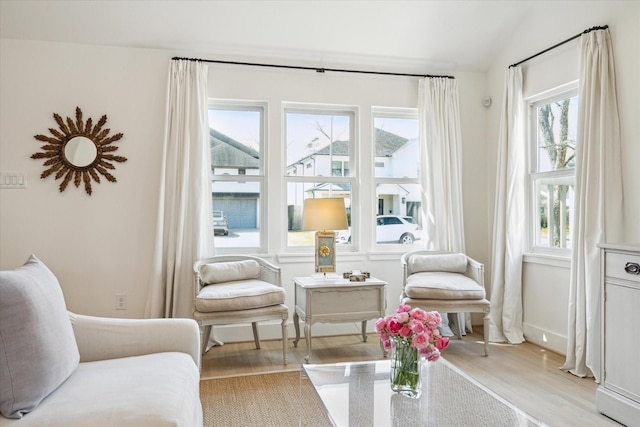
x=239 y=295
x=38 y=350
x=153 y=390
x=219 y=272
x=449 y=286
x=452 y=263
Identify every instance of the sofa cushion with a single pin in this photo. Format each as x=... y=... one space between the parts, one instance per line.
x=239 y=295
x=452 y=263
x=38 y=350
x=155 y=390
x=449 y=286
x=219 y=272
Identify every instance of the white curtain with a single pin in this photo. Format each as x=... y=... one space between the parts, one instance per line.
x=441 y=164
x=184 y=230
x=505 y=318
x=598 y=199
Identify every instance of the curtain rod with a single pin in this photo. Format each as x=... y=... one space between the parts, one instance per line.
x=604 y=27
x=316 y=69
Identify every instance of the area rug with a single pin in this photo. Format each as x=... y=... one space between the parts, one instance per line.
x=276 y=399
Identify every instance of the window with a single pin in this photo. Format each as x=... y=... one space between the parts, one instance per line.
x=320 y=145
x=340 y=168
x=238 y=174
x=396 y=174
x=553 y=129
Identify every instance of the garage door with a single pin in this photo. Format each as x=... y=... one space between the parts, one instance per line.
x=240 y=212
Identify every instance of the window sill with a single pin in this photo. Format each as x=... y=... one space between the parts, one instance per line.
x=292 y=258
x=563 y=261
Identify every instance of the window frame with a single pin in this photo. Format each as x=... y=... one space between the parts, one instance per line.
x=353 y=112
x=260 y=178
x=556 y=177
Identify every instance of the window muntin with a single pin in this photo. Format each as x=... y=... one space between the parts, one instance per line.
x=396 y=170
x=553 y=130
x=238 y=174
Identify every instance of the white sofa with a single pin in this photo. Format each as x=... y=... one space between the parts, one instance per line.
x=121 y=372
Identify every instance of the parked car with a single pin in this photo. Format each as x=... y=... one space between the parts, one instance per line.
x=220 y=225
x=389 y=229
x=396 y=229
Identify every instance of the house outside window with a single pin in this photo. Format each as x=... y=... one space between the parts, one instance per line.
x=320 y=146
x=238 y=170
x=552 y=143
x=396 y=175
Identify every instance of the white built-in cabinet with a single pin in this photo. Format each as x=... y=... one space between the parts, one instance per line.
x=618 y=395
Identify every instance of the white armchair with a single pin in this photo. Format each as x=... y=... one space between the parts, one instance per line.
x=233 y=289
x=445 y=282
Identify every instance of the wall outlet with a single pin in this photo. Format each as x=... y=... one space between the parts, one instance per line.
x=121 y=302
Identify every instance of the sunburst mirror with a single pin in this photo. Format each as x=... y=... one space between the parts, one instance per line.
x=79 y=151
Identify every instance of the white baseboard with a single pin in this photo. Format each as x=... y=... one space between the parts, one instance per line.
x=273 y=330
x=545 y=339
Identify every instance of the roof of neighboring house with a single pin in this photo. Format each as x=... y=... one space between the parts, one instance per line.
x=337 y=148
x=387 y=143
x=227 y=152
x=330 y=186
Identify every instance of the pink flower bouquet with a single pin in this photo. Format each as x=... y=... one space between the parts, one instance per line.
x=412 y=335
x=415 y=327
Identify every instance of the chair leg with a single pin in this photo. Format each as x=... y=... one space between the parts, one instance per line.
x=206 y=333
x=485 y=326
x=256 y=338
x=461 y=324
x=285 y=339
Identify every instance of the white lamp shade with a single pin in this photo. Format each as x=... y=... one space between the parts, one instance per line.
x=324 y=214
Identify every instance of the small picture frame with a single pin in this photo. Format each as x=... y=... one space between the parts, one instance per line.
x=325 y=252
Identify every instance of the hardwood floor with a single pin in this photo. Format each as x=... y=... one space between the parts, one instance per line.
x=526 y=375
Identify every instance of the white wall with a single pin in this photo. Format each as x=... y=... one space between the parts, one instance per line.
x=546 y=281
x=101 y=245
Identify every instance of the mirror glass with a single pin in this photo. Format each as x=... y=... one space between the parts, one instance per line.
x=80 y=151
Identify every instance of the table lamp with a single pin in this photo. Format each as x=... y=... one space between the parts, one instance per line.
x=324 y=215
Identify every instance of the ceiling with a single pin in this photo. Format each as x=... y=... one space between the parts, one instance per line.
x=429 y=35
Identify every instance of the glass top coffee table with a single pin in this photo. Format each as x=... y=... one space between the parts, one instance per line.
x=358 y=394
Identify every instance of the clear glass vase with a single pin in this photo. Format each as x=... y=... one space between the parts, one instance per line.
x=405 y=369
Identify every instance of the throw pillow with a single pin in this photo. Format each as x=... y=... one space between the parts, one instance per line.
x=219 y=272
x=38 y=350
x=451 y=263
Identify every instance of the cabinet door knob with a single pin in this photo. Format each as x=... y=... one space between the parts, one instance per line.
x=632 y=268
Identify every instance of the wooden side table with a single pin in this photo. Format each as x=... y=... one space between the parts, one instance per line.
x=336 y=301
